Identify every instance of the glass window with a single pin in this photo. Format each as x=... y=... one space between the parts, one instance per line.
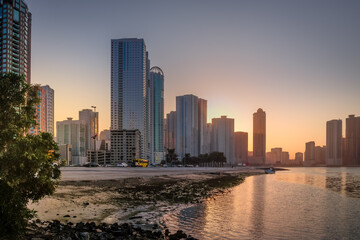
x=16 y=16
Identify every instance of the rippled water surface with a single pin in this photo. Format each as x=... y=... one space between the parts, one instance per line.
x=303 y=203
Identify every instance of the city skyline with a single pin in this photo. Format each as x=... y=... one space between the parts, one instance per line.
x=267 y=56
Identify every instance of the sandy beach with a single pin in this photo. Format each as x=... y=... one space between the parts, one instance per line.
x=136 y=195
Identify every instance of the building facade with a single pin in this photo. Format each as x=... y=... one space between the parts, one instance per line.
x=170 y=130
x=49 y=92
x=157 y=114
x=309 y=154
x=222 y=139
x=72 y=132
x=285 y=158
x=320 y=155
x=91 y=120
x=241 y=147
x=259 y=136
x=129 y=90
x=125 y=145
x=352 y=141
x=187 y=125
x=334 y=143
x=15 y=32
x=203 y=142
x=276 y=154
x=41 y=113
x=299 y=158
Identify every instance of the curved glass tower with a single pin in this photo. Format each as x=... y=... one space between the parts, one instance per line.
x=157 y=83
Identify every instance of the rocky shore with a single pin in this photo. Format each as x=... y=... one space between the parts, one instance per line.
x=83 y=231
x=124 y=208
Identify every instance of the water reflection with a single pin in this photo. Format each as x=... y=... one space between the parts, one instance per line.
x=303 y=203
x=342 y=180
x=258 y=207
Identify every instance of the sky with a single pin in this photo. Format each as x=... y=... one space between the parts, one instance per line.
x=297 y=60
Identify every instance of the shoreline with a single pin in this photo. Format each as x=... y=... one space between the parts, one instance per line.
x=139 y=201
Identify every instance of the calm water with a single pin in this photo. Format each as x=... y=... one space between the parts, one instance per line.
x=303 y=203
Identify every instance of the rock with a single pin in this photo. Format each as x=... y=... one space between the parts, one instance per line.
x=67 y=216
x=84 y=236
x=178 y=235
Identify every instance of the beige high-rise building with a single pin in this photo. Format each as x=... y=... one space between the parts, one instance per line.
x=352 y=141
x=222 y=139
x=285 y=158
x=203 y=147
x=276 y=155
x=320 y=155
x=92 y=126
x=334 y=143
x=170 y=130
x=299 y=157
x=72 y=132
x=259 y=136
x=241 y=147
x=309 y=153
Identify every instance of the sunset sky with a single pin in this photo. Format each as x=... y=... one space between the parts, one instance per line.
x=297 y=60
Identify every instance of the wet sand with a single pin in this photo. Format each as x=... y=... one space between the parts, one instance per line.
x=135 y=195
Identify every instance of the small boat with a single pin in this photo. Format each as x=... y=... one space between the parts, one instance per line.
x=270 y=171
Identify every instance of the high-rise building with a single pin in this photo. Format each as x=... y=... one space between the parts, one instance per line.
x=222 y=139
x=72 y=132
x=299 y=156
x=276 y=154
x=49 y=109
x=130 y=107
x=41 y=113
x=309 y=153
x=259 y=136
x=320 y=155
x=157 y=114
x=125 y=145
x=170 y=130
x=241 y=147
x=187 y=125
x=203 y=143
x=285 y=158
x=352 y=141
x=16 y=37
x=105 y=135
x=91 y=120
x=334 y=143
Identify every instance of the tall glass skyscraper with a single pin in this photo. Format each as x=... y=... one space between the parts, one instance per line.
x=157 y=113
x=15 y=30
x=187 y=125
x=129 y=89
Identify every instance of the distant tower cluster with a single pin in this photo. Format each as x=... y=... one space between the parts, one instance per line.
x=76 y=137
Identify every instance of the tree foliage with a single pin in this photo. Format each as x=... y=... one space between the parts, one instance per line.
x=27 y=169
